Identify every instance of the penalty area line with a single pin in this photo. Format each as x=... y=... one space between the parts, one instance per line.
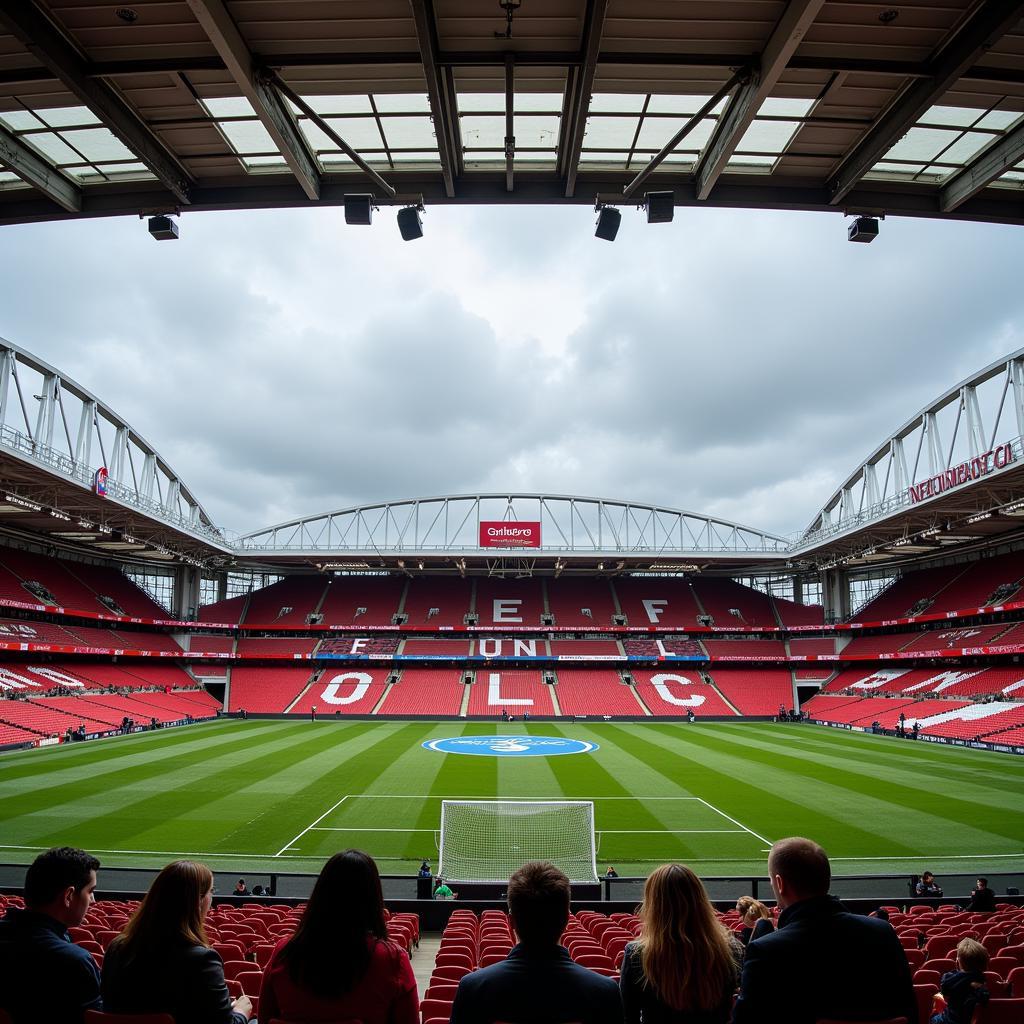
x=288 y=846
x=733 y=820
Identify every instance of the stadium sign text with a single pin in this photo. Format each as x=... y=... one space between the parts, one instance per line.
x=510 y=746
x=972 y=469
x=509 y=535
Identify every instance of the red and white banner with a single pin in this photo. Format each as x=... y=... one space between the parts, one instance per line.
x=509 y=535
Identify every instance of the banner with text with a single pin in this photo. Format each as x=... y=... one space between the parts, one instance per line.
x=509 y=535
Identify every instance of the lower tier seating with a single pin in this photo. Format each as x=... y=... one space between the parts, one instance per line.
x=755 y=692
x=595 y=692
x=266 y=690
x=426 y=692
x=514 y=692
x=675 y=693
x=345 y=691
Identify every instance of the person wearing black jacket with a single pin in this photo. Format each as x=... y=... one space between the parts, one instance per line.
x=161 y=962
x=822 y=962
x=43 y=974
x=983 y=899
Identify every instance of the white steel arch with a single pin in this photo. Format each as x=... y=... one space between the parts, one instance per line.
x=51 y=421
x=979 y=422
x=569 y=525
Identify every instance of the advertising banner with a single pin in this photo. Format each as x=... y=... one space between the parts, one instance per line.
x=506 y=534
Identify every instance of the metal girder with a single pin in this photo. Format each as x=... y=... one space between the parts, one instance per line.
x=34 y=30
x=510 y=123
x=983 y=170
x=267 y=103
x=30 y=167
x=989 y=23
x=441 y=111
x=785 y=38
x=574 y=128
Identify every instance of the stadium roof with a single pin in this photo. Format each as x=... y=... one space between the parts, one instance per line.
x=112 y=108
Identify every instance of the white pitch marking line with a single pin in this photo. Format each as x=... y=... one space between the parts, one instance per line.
x=518 y=799
x=334 y=828
x=673 y=831
x=289 y=845
x=734 y=821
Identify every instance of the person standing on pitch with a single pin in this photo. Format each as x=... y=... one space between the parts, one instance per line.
x=312 y=713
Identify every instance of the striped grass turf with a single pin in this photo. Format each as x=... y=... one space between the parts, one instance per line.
x=266 y=795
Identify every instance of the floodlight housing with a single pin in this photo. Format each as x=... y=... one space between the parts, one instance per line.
x=358 y=209
x=608 y=221
x=660 y=207
x=162 y=228
x=863 y=229
x=410 y=223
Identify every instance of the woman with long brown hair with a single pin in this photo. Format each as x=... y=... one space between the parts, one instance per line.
x=339 y=964
x=684 y=968
x=161 y=962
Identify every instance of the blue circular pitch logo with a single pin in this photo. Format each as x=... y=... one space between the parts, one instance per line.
x=510 y=746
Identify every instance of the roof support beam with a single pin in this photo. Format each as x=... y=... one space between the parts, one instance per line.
x=30 y=26
x=983 y=170
x=510 y=123
x=32 y=168
x=442 y=113
x=785 y=38
x=266 y=101
x=573 y=128
x=989 y=23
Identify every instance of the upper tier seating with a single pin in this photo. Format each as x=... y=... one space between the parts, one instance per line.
x=674 y=692
x=442 y=602
x=657 y=601
x=824 y=645
x=68 y=590
x=758 y=692
x=962 y=636
x=570 y=600
x=425 y=691
x=722 y=599
x=595 y=692
x=792 y=613
x=348 y=691
x=227 y=611
x=438 y=648
x=745 y=648
x=288 y=602
x=267 y=689
x=112 y=583
x=138 y=640
x=919 y=589
x=987 y=578
x=214 y=643
x=21 y=631
x=509 y=602
x=885 y=643
x=513 y=691
x=362 y=600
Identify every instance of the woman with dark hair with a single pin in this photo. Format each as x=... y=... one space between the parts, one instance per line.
x=339 y=964
x=684 y=968
x=161 y=962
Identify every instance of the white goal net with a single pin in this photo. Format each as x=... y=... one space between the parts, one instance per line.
x=487 y=840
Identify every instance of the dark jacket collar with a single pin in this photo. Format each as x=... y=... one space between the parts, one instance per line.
x=541 y=953
x=28 y=919
x=810 y=909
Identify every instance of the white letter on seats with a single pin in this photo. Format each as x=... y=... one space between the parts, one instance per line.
x=660 y=684
x=488 y=647
x=494 y=697
x=505 y=610
x=362 y=680
x=358 y=645
x=654 y=610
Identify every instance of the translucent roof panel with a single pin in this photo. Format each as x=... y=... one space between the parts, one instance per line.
x=244 y=132
x=535 y=127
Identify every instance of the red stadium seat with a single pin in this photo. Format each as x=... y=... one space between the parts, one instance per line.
x=1000 y=1011
x=891 y=1020
x=440 y=1008
x=250 y=981
x=925 y=996
x=99 y=1017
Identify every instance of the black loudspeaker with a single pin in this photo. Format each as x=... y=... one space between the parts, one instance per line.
x=863 y=229
x=608 y=221
x=358 y=209
x=163 y=228
x=660 y=207
x=410 y=223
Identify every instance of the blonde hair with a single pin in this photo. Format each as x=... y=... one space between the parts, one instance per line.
x=746 y=904
x=973 y=956
x=685 y=953
x=171 y=911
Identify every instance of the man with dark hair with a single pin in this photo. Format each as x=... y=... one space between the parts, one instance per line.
x=983 y=899
x=43 y=975
x=822 y=962
x=538 y=983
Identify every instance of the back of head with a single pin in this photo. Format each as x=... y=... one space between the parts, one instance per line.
x=748 y=905
x=803 y=866
x=52 y=873
x=328 y=953
x=973 y=956
x=171 y=914
x=684 y=950
x=538 y=900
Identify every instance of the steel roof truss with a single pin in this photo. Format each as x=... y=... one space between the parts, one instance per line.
x=983 y=170
x=32 y=168
x=579 y=89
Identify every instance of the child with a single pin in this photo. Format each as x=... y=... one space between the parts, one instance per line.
x=964 y=989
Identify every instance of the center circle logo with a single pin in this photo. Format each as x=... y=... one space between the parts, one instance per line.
x=510 y=746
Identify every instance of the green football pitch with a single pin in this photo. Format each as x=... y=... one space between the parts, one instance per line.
x=283 y=795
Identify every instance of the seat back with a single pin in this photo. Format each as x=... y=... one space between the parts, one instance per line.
x=99 y=1017
x=891 y=1020
x=1000 y=1011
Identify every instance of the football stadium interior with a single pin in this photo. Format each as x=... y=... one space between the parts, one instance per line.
x=482 y=679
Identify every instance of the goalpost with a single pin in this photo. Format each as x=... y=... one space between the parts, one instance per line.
x=487 y=840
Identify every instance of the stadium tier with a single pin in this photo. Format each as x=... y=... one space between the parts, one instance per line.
x=677 y=693
x=440 y=602
x=595 y=692
x=791 y=613
x=438 y=648
x=426 y=692
x=266 y=690
x=586 y=603
x=658 y=602
x=758 y=692
x=372 y=601
x=515 y=692
x=745 y=649
x=584 y=648
x=288 y=602
x=509 y=602
x=731 y=604
x=292 y=646
x=802 y=647
x=344 y=691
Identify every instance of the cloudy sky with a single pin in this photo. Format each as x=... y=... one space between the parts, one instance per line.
x=735 y=363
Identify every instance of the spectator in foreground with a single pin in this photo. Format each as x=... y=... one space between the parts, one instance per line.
x=684 y=967
x=927 y=886
x=42 y=973
x=983 y=899
x=161 y=962
x=822 y=962
x=964 y=989
x=339 y=964
x=756 y=918
x=538 y=983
